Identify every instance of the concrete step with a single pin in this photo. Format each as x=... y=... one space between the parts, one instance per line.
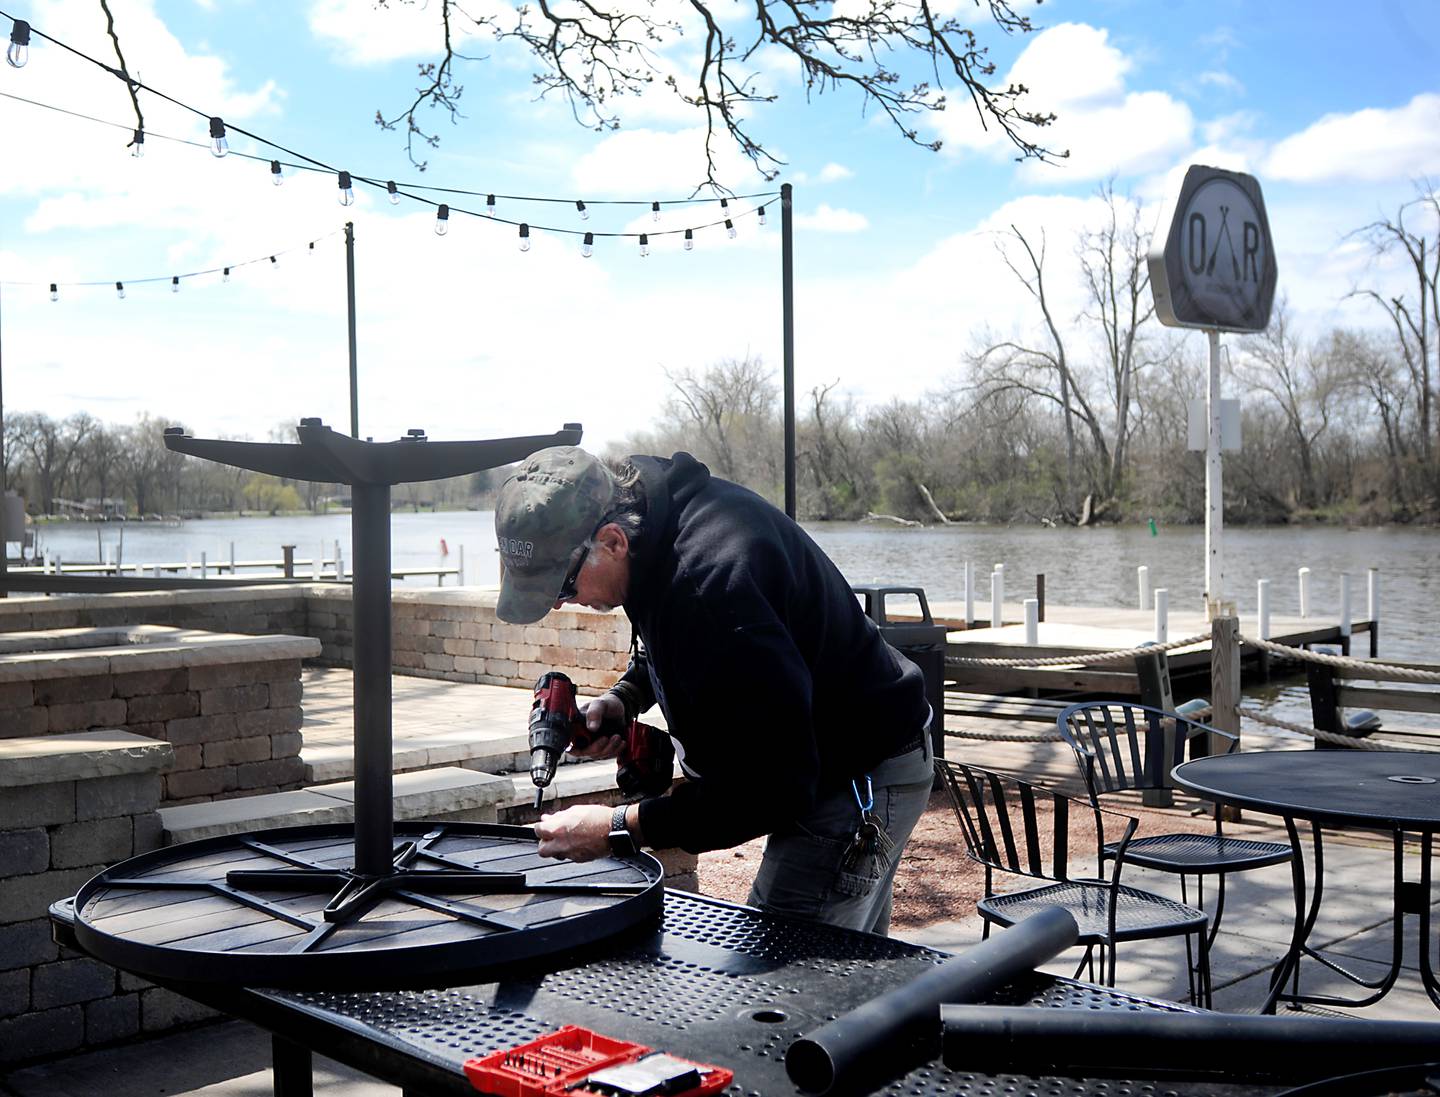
x=449 y=793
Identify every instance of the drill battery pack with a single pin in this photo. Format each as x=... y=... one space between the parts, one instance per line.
x=576 y=1061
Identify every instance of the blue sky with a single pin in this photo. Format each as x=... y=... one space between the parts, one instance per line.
x=1334 y=106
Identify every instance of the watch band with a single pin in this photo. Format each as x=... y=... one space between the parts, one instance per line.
x=622 y=842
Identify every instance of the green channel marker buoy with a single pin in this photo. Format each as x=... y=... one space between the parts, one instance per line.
x=1153 y=531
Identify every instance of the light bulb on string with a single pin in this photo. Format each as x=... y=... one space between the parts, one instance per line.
x=524 y=237
x=587 y=248
x=312 y=249
x=394 y=193
x=689 y=239
x=644 y=245
x=137 y=144
x=442 y=219
x=582 y=211
x=347 y=192
x=654 y=211
x=273 y=262
x=729 y=228
x=175 y=284
x=218 y=145
x=120 y=290
x=225 y=277
x=19 y=51
x=54 y=292
x=724 y=207
x=489 y=205
x=761 y=218
x=276 y=175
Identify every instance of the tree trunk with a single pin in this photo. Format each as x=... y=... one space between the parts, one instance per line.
x=930 y=504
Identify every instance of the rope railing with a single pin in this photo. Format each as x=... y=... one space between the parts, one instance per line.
x=1344 y=662
x=1080 y=658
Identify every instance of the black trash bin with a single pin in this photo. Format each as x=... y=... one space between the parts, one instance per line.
x=922 y=642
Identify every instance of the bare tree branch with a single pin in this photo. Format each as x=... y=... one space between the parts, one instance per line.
x=129 y=84
x=593 y=53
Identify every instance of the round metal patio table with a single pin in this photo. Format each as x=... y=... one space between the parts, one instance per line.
x=1397 y=792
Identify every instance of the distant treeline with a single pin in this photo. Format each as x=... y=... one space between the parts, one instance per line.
x=81 y=467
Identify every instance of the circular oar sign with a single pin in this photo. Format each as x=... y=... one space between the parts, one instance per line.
x=1212 y=261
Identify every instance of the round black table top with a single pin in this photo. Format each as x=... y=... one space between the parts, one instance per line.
x=1386 y=790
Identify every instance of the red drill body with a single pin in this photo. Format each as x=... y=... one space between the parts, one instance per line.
x=556 y=724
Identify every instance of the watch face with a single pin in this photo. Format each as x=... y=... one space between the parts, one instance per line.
x=622 y=843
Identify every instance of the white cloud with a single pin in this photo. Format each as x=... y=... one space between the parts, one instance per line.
x=826 y=219
x=644 y=161
x=360 y=32
x=1372 y=145
x=1223 y=80
x=833 y=173
x=1073 y=70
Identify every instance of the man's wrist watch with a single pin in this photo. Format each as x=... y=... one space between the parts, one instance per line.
x=622 y=842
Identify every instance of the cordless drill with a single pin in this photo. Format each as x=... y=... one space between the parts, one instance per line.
x=556 y=723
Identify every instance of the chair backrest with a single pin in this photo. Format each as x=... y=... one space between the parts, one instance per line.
x=1121 y=746
x=1002 y=820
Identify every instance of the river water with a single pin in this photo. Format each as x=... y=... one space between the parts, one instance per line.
x=1082 y=567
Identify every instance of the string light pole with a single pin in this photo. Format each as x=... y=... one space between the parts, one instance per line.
x=350 y=314
x=787 y=323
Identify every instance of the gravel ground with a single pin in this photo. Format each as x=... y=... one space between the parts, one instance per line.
x=936 y=881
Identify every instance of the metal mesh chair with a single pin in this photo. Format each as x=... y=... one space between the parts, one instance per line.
x=1121 y=747
x=1005 y=831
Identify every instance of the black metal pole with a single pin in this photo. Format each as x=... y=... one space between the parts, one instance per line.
x=4 y=544
x=787 y=294
x=350 y=311
x=374 y=761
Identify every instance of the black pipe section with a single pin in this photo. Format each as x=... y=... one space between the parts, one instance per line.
x=837 y=1052
x=374 y=761
x=1075 y=1043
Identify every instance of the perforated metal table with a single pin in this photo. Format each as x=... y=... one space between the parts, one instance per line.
x=711 y=982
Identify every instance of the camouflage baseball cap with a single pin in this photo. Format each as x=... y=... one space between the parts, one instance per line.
x=544 y=513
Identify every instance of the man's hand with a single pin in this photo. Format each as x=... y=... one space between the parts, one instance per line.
x=579 y=833
x=604 y=711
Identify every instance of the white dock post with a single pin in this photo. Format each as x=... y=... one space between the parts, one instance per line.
x=45 y=566
x=1262 y=607
x=1344 y=603
x=155 y=571
x=189 y=566
x=969 y=593
x=1304 y=592
x=317 y=568
x=339 y=561
x=1162 y=615
x=232 y=557
x=997 y=597
x=1372 y=594
x=204 y=564
x=460 y=568
x=1143 y=574
x=1032 y=621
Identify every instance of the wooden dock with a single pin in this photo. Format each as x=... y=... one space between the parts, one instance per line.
x=1084 y=631
x=300 y=569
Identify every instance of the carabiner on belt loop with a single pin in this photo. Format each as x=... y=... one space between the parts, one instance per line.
x=866 y=802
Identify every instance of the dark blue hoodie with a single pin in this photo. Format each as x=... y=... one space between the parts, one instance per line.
x=775 y=685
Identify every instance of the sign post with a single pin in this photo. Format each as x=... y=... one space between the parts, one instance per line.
x=1212 y=266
